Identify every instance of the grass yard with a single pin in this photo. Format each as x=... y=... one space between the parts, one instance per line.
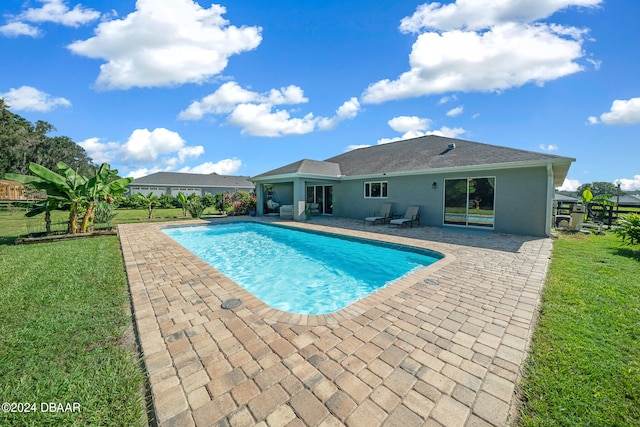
x=584 y=367
x=13 y=223
x=65 y=333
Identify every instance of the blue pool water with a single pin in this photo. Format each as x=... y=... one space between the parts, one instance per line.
x=297 y=271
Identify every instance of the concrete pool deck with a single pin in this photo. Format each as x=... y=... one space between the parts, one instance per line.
x=443 y=346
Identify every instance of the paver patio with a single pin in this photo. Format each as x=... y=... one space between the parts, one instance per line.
x=443 y=346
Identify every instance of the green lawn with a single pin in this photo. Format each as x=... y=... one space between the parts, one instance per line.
x=584 y=367
x=65 y=332
x=13 y=223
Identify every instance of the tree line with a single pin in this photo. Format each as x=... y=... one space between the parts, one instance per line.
x=23 y=142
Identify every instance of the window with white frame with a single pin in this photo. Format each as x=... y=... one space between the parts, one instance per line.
x=375 y=190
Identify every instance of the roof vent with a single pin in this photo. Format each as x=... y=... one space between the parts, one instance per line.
x=452 y=145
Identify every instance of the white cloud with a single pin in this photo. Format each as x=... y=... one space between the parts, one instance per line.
x=549 y=147
x=446 y=132
x=140 y=172
x=569 y=185
x=222 y=167
x=55 y=11
x=409 y=123
x=27 y=98
x=623 y=112
x=58 y=12
x=165 y=43
x=261 y=120
x=414 y=127
x=455 y=111
x=446 y=99
x=476 y=15
x=256 y=114
x=190 y=152
x=100 y=152
x=145 y=147
x=228 y=96
x=147 y=152
x=17 y=28
x=508 y=55
x=627 y=184
x=348 y=110
x=356 y=146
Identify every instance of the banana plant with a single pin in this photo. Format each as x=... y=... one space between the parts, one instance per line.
x=98 y=187
x=47 y=207
x=70 y=190
x=150 y=201
x=66 y=190
x=183 y=201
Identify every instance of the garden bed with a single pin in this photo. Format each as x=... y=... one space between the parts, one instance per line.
x=44 y=238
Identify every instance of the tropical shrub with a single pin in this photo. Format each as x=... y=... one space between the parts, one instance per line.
x=239 y=202
x=73 y=192
x=629 y=228
x=195 y=206
x=209 y=200
x=183 y=202
x=149 y=201
x=104 y=213
x=167 y=201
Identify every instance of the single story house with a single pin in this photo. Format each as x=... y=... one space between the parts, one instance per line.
x=188 y=183
x=454 y=183
x=628 y=200
x=563 y=198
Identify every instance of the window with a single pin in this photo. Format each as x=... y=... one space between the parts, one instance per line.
x=375 y=190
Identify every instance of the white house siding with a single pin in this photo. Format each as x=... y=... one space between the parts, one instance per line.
x=146 y=190
x=186 y=190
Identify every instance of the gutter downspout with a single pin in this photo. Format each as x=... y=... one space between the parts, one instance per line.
x=550 y=194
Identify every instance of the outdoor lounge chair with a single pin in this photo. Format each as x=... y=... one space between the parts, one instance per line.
x=410 y=216
x=383 y=216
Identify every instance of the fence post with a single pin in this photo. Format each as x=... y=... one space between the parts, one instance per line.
x=610 y=216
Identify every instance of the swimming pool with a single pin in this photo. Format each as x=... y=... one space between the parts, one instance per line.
x=301 y=271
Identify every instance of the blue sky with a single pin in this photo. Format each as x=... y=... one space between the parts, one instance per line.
x=247 y=86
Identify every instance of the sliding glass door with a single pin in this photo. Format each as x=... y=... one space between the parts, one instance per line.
x=469 y=201
x=322 y=195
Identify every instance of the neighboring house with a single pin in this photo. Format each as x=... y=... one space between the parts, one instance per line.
x=454 y=182
x=628 y=200
x=188 y=183
x=563 y=198
x=13 y=190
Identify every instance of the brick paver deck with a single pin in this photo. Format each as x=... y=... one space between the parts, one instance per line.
x=443 y=346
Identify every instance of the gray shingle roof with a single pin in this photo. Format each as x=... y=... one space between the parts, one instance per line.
x=307 y=167
x=176 y=179
x=627 y=200
x=430 y=152
x=422 y=154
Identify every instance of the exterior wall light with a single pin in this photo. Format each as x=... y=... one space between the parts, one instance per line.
x=434 y=185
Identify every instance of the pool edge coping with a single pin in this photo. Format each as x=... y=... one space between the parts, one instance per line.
x=273 y=315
